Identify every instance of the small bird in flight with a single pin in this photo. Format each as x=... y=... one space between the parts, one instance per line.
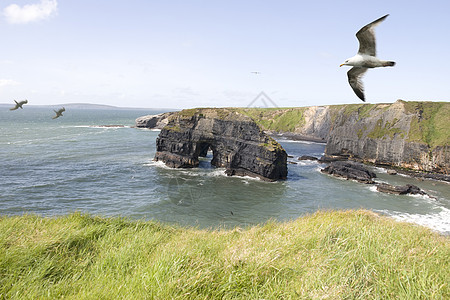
x=365 y=58
x=59 y=112
x=19 y=104
x=255 y=72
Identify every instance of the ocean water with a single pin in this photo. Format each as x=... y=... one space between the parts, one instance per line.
x=74 y=163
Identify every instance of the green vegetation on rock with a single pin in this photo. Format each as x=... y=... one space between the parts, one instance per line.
x=430 y=125
x=339 y=255
x=382 y=131
x=277 y=119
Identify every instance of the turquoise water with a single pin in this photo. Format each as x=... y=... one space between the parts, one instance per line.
x=53 y=167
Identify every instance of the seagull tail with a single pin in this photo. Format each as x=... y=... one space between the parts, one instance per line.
x=388 y=63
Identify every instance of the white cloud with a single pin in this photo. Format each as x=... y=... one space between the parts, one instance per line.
x=16 y=14
x=6 y=82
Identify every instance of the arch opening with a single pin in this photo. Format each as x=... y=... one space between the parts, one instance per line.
x=205 y=152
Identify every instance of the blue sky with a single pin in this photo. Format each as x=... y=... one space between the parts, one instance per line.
x=181 y=54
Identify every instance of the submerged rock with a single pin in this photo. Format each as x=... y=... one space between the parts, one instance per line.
x=236 y=141
x=350 y=170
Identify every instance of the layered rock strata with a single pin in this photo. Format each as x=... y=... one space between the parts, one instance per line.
x=413 y=135
x=153 y=121
x=406 y=135
x=237 y=143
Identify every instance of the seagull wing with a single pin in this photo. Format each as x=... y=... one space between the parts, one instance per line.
x=366 y=37
x=355 y=79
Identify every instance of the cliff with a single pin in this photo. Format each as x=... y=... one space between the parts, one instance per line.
x=412 y=135
x=236 y=141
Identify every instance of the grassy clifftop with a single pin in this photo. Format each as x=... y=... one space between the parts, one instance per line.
x=352 y=254
x=277 y=119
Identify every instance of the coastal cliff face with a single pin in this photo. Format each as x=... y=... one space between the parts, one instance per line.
x=236 y=141
x=412 y=135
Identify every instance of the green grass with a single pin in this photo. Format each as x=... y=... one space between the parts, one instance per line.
x=381 y=131
x=327 y=255
x=430 y=124
x=277 y=119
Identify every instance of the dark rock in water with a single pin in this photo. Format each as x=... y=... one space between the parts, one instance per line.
x=307 y=157
x=236 y=141
x=153 y=121
x=350 y=170
x=400 y=189
x=329 y=158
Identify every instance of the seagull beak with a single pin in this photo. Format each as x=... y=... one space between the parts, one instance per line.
x=341 y=65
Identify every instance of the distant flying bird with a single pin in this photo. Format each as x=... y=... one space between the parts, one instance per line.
x=59 y=112
x=255 y=72
x=365 y=58
x=19 y=104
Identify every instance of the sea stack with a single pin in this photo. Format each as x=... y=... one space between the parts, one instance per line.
x=237 y=143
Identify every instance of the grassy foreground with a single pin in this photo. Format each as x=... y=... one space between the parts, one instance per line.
x=327 y=255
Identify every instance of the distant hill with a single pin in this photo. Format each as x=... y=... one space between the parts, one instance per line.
x=85 y=106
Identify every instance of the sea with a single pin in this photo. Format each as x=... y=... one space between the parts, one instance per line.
x=94 y=161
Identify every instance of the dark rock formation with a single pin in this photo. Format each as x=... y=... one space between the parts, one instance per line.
x=307 y=157
x=328 y=159
x=153 y=121
x=400 y=189
x=350 y=170
x=236 y=141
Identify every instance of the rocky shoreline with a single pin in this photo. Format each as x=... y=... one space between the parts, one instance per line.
x=237 y=143
x=410 y=138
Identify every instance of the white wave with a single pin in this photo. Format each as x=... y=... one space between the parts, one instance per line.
x=373 y=188
x=306 y=162
x=98 y=126
x=148 y=129
x=319 y=168
x=437 y=221
x=198 y=172
x=379 y=169
x=159 y=164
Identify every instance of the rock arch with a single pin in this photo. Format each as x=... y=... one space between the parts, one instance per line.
x=237 y=143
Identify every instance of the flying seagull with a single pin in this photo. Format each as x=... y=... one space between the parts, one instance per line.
x=59 y=112
x=365 y=58
x=255 y=72
x=19 y=104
